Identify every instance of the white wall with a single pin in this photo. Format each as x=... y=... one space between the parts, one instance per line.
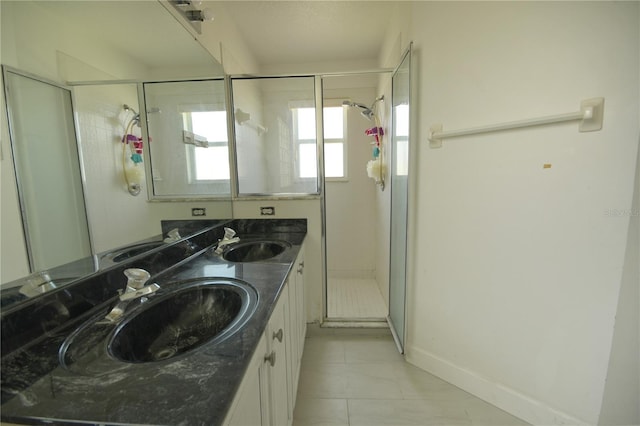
x=224 y=41
x=517 y=268
x=621 y=400
x=350 y=204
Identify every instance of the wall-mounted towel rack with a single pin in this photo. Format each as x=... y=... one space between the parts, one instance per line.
x=590 y=117
x=244 y=118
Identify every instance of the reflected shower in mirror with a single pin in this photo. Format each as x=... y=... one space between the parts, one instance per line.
x=189 y=145
x=47 y=168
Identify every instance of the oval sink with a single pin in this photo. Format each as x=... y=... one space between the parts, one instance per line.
x=254 y=251
x=131 y=251
x=184 y=320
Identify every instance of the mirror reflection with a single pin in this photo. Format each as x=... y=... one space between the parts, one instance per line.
x=189 y=146
x=73 y=44
x=47 y=169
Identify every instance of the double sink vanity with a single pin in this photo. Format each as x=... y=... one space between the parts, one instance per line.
x=198 y=336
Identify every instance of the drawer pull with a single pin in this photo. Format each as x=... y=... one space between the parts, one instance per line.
x=271 y=358
x=301 y=267
x=278 y=335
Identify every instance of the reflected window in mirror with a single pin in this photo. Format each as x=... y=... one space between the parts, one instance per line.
x=210 y=162
x=189 y=145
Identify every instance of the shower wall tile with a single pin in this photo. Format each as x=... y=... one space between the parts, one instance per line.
x=102 y=123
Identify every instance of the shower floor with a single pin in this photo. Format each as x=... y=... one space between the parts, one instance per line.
x=355 y=299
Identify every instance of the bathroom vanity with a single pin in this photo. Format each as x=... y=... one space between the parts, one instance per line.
x=219 y=343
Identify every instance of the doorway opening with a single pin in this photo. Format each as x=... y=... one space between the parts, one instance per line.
x=356 y=208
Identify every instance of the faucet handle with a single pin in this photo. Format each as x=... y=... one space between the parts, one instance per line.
x=136 y=277
x=173 y=235
x=229 y=233
x=144 y=291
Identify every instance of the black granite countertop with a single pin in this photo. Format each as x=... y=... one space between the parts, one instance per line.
x=195 y=388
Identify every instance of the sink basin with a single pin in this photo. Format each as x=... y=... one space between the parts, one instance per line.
x=254 y=251
x=202 y=312
x=131 y=251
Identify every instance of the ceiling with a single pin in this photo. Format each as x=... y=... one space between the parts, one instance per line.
x=131 y=26
x=295 y=32
x=277 y=32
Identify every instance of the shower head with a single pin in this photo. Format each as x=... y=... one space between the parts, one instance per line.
x=128 y=108
x=136 y=116
x=366 y=111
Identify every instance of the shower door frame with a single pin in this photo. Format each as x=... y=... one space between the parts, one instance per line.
x=320 y=124
x=20 y=186
x=397 y=318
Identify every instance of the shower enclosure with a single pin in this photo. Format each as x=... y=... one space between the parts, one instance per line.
x=355 y=275
x=48 y=170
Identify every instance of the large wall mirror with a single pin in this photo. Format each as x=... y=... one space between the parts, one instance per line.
x=99 y=50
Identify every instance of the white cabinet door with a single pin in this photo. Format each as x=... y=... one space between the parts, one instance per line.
x=250 y=406
x=293 y=350
x=267 y=394
x=277 y=332
x=301 y=304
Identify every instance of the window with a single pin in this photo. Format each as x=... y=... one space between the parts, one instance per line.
x=334 y=156
x=212 y=162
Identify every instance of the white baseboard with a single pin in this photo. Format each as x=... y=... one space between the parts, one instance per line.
x=503 y=397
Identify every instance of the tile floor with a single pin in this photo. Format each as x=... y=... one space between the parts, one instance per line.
x=354 y=298
x=357 y=377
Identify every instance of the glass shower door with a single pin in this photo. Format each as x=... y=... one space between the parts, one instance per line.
x=399 y=198
x=48 y=171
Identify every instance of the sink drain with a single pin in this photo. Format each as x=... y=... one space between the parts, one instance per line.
x=164 y=353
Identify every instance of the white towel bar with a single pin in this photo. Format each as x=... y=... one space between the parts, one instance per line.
x=590 y=116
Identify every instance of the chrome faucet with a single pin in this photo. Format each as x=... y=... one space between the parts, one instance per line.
x=37 y=283
x=172 y=236
x=137 y=287
x=229 y=238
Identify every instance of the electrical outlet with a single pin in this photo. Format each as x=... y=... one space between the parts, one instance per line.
x=198 y=211
x=267 y=211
